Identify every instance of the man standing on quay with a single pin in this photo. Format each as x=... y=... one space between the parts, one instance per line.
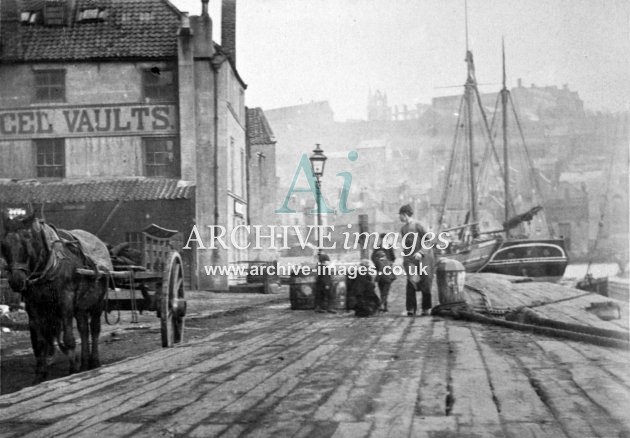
x=412 y=232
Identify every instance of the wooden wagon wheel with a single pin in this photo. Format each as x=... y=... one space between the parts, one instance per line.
x=172 y=302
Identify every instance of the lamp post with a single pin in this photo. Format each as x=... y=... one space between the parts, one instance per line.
x=318 y=161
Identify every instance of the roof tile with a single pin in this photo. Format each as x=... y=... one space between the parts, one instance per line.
x=258 y=129
x=132 y=29
x=77 y=191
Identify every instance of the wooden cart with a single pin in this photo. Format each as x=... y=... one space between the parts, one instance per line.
x=155 y=285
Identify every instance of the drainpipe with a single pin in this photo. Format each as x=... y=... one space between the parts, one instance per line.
x=216 y=62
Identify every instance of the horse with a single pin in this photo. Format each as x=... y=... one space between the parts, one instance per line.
x=43 y=267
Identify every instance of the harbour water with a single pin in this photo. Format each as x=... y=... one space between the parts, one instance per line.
x=577 y=271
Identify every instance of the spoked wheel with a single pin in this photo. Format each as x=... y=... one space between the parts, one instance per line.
x=172 y=302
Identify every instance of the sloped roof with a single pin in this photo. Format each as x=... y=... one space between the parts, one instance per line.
x=83 y=190
x=131 y=29
x=258 y=129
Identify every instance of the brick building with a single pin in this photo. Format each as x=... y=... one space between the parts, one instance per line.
x=117 y=114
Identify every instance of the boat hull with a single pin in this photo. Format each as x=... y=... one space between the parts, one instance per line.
x=473 y=256
x=543 y=260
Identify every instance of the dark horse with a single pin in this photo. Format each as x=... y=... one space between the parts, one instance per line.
x=42 y=266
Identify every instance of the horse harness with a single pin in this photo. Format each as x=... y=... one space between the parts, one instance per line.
x=55 y=245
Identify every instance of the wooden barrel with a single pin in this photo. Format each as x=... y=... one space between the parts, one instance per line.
x=302 y=290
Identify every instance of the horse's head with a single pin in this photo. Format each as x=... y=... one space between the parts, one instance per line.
x=22 y=247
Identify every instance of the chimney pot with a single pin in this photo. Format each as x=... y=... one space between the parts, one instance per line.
x=228 y=28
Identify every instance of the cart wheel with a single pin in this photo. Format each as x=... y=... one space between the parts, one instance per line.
x=172 y=302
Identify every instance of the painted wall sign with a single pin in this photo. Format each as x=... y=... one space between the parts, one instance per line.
x=87 y=121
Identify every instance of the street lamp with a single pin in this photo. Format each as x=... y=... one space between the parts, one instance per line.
x=318 y=162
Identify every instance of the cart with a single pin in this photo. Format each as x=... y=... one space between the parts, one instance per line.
x=157 y=284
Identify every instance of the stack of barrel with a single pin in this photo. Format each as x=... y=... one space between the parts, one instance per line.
x=302 y=291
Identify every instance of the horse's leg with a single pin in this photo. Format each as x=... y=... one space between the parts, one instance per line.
x=95 y=332
x=82 y=325
x=39 y=350
x=67 y=314
x=95 y=322
x=38 y=343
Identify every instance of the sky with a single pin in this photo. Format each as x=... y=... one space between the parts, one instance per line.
x=297 y=51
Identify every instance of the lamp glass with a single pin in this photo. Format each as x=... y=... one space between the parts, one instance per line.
x=318 y=161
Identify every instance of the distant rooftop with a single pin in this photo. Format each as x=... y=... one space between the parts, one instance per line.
x=320 y=109
x=258 y=129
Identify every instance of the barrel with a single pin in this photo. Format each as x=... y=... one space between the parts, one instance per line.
x=450 y=281
x=302 y=290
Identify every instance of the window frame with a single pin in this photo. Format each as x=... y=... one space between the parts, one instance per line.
x=57 y=156
x=152 y=165
x=49 y=86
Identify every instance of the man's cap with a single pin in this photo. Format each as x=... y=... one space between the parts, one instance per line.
x=324 y=258
x=406 y=209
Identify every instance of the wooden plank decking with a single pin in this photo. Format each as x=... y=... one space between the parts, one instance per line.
x=296 y=373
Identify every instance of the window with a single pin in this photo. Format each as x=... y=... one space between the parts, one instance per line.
x=161 y=157
x=50 y=85
x=51 y=161
x=159 y=85
x=92 y=14
x=232 y=170
x=243 y=187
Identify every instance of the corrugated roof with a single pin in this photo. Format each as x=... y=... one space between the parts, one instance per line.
x=80 y=190
x=258 y=129
x=131 y=29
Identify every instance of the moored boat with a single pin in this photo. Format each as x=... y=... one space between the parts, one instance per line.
x=543 y=260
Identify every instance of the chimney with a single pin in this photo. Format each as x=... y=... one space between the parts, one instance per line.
x=201 y=30
x=228 y=28
x=520 y=83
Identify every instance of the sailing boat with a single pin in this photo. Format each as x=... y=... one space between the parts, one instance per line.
x=543 y=259
x=468 y=244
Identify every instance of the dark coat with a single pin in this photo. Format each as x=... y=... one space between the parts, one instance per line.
x=364 y=291
x=382 y=257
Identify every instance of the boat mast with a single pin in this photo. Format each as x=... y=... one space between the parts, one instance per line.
x=506 y=166
x=468 y=96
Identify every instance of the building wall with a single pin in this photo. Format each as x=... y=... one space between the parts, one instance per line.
x=102 y=128
x=86 y=83
x=232 y=135
x=18 y=159
x=262 y=181
x=85 y=157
